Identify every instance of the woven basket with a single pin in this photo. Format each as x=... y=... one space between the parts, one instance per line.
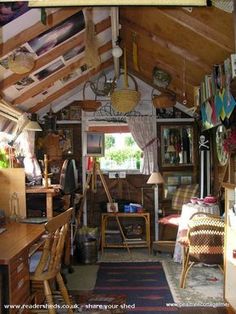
x=21 y=62
x=89 y=104
x=124 y=100
x=164 y=100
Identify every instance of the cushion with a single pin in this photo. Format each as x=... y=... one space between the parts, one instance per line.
x=170 y=220
x=34 y=260
x=183 y=195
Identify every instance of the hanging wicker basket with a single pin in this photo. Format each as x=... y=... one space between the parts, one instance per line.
x=21 y=62
x=164 y=100
x=125 y=100
x=89 y=104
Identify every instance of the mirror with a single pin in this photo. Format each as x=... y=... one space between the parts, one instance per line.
x=176 y=145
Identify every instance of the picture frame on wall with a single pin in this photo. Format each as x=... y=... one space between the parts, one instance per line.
x=75 y=113
x=172 y=180
x=66 y=141
x=94 y=144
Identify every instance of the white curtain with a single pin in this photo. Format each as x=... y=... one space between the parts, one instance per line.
x=32 y=168
x=143 y=130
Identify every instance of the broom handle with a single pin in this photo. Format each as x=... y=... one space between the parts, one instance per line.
x=125 y=69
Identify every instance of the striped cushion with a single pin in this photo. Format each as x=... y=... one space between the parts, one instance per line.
x=183 y=195
x=206 y=238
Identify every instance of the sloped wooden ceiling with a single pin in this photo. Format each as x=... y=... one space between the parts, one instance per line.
x=41 y=86
x=185 y=44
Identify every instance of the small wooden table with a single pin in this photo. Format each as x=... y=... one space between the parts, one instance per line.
x=146 y=242
x=15 y=243
x=50 y=191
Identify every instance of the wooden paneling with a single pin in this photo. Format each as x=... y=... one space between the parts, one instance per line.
x=178 y=42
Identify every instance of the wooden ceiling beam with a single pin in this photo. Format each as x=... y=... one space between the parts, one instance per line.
x=55 y=53
x=33 y=31
x=198 y=27
x=176 y=84
x=146 y=57
x=58 y=75
x=70 y=86
x=185 y=54
x=179 y=93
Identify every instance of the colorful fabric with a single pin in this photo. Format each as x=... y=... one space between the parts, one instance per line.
x=183 y=195
x=206 y=240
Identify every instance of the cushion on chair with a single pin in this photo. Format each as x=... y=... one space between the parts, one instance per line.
x=170 y=220
x=206 y=240
x=183 y=195
x=34 y=260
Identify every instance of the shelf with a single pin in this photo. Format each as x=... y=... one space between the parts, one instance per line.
x=126 y=242
x=69 y=122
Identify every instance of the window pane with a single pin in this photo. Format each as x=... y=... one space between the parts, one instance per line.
x=121 y=152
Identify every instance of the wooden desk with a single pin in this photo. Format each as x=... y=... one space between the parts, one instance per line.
x=50 y=192
x=145 y=242
x=15 y=243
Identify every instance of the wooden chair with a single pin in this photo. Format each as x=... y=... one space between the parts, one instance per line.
x=204 y=243
x=168 y=224
x=45 y=265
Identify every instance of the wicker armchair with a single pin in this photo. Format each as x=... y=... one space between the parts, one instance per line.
x=45 y=265
x=204 y=243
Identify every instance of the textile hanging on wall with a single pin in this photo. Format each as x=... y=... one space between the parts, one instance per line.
x=144 y=133
x=32 y=168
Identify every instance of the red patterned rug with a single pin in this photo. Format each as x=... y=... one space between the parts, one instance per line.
x=144 y=285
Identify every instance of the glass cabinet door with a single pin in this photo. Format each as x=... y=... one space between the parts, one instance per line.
x=176 y=145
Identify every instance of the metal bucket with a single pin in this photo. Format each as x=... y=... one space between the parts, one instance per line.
x=88 y=252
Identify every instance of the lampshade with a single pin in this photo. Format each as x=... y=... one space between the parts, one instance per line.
x=33 y=126
x=155 y=178
x=171 y=149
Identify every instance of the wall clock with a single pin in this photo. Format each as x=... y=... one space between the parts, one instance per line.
x=222 y=155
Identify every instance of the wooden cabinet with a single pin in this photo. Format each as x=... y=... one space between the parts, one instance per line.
x=15 y=243
x=230 y=246
x=119 y=219
x=18 y=276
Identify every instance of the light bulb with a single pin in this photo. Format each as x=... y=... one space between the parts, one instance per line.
x=117 y=52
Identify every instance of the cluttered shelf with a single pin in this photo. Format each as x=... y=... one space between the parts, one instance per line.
x=121 y=236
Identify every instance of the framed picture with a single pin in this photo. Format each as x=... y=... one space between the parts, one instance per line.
x=112 y=207
x=75 y=113
x=186 y=180
x=94 y=144
x=169 y=191
x=172 y=180
x=66 y=141
x=58 y=34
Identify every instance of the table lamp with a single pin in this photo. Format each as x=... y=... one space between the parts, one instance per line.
x=156 y=179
